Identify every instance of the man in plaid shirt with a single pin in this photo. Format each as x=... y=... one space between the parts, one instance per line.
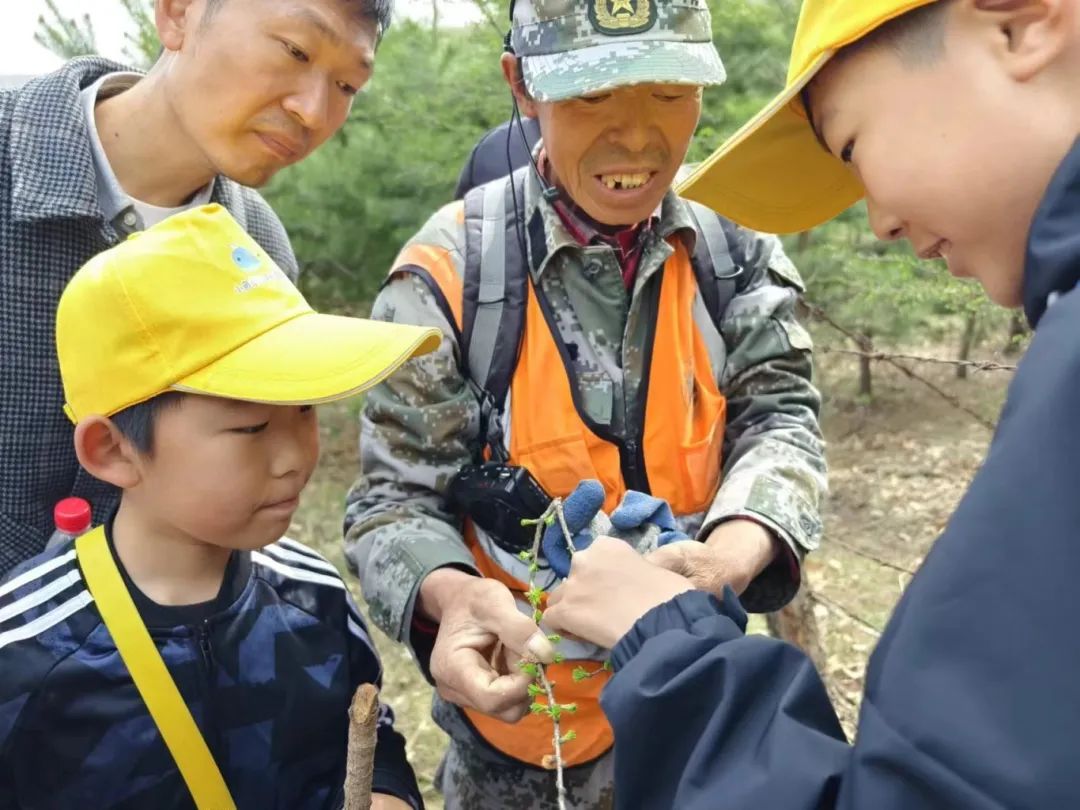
x=93 y=153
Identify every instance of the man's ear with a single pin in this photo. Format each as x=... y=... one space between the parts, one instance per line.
x=106 y=453
x=176 y=20
x=1030 y=34
x=509 y=65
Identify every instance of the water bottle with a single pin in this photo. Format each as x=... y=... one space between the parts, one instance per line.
x=72 y=518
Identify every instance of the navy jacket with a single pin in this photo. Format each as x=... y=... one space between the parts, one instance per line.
x=267 y=668
x=973 y=693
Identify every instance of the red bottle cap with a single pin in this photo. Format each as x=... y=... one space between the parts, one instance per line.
x=72 y=515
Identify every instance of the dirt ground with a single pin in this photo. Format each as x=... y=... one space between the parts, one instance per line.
x=897 y=468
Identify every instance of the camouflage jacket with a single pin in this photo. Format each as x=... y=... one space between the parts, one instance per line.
x=416 y=428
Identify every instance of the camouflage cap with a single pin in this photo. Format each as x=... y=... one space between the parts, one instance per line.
x=571 y=48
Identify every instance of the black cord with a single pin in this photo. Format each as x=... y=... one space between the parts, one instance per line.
x=515 y=115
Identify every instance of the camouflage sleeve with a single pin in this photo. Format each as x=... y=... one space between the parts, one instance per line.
x=415 y=431
x=774 y=455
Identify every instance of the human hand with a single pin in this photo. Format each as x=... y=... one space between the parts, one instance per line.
x=735 y=552
x=384 y=801
x=481 y=636
x=610 y=587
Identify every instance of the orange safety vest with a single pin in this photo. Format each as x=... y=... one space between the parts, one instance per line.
x=682 y=438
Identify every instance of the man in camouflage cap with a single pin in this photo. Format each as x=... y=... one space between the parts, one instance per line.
x=571 y=294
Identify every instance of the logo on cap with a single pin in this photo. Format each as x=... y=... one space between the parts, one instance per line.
x=245 y=259
x=617 y=17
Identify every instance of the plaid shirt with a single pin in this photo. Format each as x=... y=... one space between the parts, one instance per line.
x=51 y=223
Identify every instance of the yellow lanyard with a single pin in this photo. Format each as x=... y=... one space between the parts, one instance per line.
x=152 y=679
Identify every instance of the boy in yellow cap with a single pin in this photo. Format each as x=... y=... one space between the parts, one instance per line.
x=187 y=650
x=959 y=122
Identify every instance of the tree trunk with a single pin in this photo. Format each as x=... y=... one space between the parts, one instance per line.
x=804 y=241
x=797 y=624
x=967 y=343
x=1017 y=330
x=866 y=388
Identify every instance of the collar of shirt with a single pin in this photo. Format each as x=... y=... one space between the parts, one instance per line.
x=626 y=242
x=117 y=205
x=235 y=580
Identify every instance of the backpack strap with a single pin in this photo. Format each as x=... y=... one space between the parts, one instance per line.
x=495 y=294
x=717 y=274
x=153 y=681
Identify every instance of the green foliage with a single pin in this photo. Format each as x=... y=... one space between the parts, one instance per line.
x=529 y=668
x=880 y=289
x=753 y=39
x=68 y=37
x=351 y=206
x=65 y=36
x=143 y=45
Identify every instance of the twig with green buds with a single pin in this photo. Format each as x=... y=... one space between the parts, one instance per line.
x=542 y=686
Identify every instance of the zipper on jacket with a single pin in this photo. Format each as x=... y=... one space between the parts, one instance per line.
x=208 y=727
x=205 y=649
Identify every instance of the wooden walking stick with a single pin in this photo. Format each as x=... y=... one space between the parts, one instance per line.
x=360 y=761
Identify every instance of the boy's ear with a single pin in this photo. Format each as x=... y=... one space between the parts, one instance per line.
x=1031 y=34
x=105 y=453
x=516 y=81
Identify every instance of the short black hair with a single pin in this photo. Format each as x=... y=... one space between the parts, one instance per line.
x=137 y=422
x=917 y=37
x=380 y=12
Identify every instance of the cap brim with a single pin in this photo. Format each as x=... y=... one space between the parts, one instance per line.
x=312 y=358
x=773 y=175
x=571 y=74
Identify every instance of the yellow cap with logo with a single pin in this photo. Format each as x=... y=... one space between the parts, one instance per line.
x=773 y=175
x=194 y=304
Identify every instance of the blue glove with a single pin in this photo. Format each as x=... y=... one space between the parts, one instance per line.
x=579 y=509
x=637 y=509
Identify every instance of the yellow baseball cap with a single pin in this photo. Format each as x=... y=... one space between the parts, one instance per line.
x=194 y=304
x=773 y=175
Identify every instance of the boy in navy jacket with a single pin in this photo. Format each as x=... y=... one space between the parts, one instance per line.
x=191 y=365
x=958 y=120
